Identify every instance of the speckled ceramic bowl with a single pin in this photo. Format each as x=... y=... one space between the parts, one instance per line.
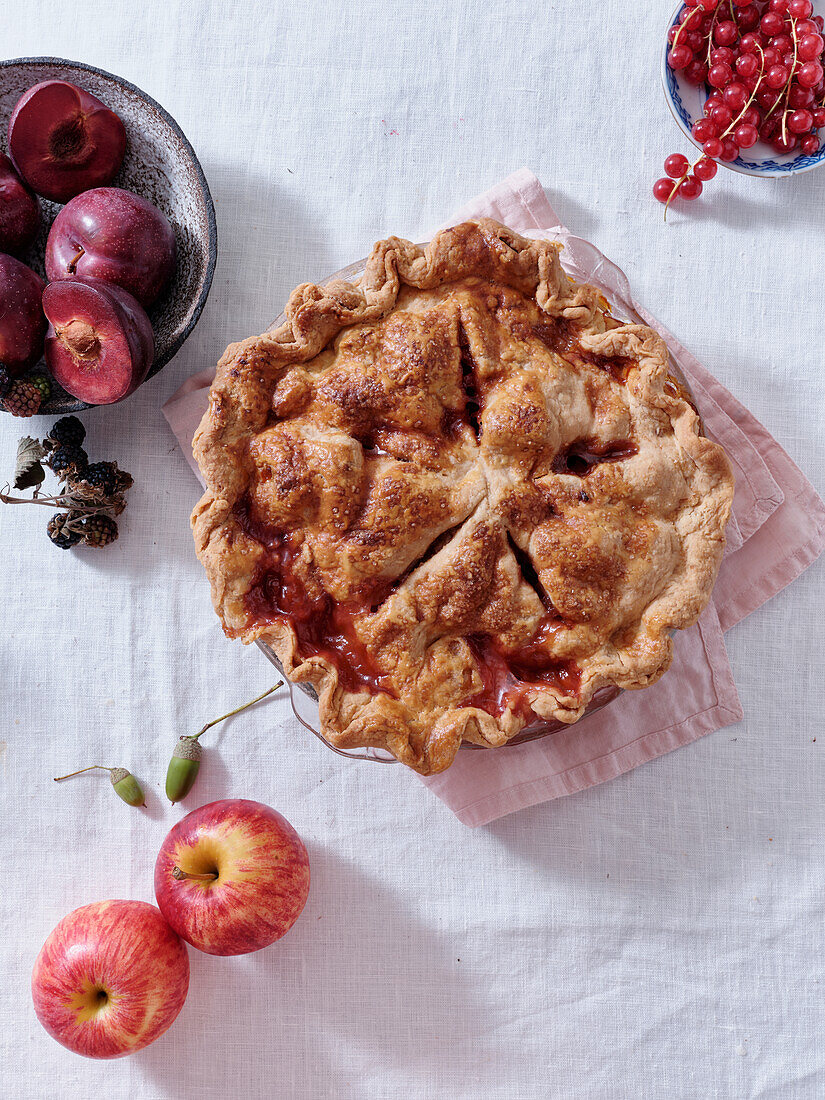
x=161 y=165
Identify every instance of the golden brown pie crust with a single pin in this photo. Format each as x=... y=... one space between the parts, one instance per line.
x=457 y=496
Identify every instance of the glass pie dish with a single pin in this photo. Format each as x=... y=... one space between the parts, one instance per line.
x=584 y=263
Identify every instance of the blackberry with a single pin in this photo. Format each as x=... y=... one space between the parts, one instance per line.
x=59 y=532
x=6 y=380
x=99 y=475
x=99 y=531
x=43 y=384
x=23 y=398
x=68 y=461
x=67 y=432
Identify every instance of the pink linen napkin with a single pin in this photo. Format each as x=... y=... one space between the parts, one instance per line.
x=777 y=529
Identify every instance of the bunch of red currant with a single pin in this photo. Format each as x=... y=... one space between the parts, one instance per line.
x=763 y=63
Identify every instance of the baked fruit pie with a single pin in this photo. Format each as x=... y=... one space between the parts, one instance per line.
x=457 y=497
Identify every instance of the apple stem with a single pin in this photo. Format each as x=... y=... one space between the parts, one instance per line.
x=237 y=710
x=90 y=768
x=179 y=874
x=72 y=267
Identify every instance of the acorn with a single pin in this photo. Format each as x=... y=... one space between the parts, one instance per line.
x=183 y=768
x=124 y=783
x=186 y=757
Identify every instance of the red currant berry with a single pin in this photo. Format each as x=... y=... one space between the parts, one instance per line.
x=778 y=76
x=741 y=3
x=747 y=65
x=671 y=34
x=819 y=117
x=800 y=122
x=703 y=129
x=771 y=23
x=713 y=100
x=730 y=150
x=708 y=5
x=768 y=129
x=676 y=165
x=722 y=55
x=779 y=5
x=679 y=56
x=810 y=145
x=705 y=169
x=663 y=189
x=721 y=117
x=810 y=74
x=720 y=75
x=800 y=9
x=767 y=98
x=752 y=116
x=712 y=147
x=746 y=136
x=749 y=43
x=725 y=33
x=811 y=46
x=771 y=56
x=694 y=39
x=748 y=17
x=818 y=21
x=800 y=97
x=691 y=188
x=736 y=96
x=696 y=73
x=783 y=43
x=784 y=145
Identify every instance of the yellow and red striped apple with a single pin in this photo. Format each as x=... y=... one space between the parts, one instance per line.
x=232 y=877
x=110 y=979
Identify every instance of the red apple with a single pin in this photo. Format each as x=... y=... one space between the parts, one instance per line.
x=64 y=140
x=114 y=235
x=99 y=345
x=19 y=210
x=110 y=979
x=22 y=324
x=232 y=877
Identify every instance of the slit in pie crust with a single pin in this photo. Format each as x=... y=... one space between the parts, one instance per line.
x=457 y=497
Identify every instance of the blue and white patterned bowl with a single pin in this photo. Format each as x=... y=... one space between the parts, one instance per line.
x=686 y=102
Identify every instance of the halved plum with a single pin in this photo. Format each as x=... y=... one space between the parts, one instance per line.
x=22 y=324
x=99 y=346
x=64 y=140
x=112 y=234
x=19 y=210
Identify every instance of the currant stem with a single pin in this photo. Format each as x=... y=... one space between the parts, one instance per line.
x=237 y=710
x=178 y=874
x=713 y=26
x=90 y=768
x=790 y=81
x=682 y=27
x=742 y=113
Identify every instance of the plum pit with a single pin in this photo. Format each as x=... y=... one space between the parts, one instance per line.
x=68 y=140
x=80 y=338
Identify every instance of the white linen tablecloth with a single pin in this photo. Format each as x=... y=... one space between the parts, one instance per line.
x=661 y=936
